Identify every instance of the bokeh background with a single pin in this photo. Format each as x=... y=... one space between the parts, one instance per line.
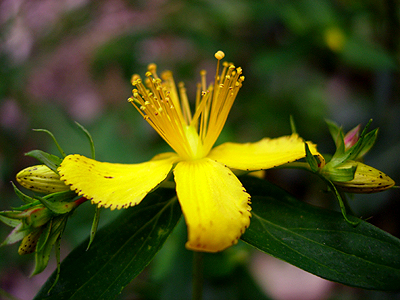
x=71 y=60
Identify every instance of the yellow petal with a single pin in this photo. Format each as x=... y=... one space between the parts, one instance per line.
x=264 y=154
x=114 y=185
x=214 y=202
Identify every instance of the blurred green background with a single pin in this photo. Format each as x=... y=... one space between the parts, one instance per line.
x=71 y=60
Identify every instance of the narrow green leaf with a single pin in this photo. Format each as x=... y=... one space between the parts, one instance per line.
x=47 y=241
x=54 y=139
x=368 y=142
x=342 y=204
x=50 y=160
x=17 y=234
x=292 y=125
x=339 y=174
x=320 y=241
x=22 y=196
x=336 y=133
x=354 y=151
x=311 y=160
x=95 y=224
x=86 y=132
x=61 y=202
x=119 y=252
x=10 y=221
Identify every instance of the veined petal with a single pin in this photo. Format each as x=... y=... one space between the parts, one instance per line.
x=114 y=185
x=264 y=154
x=214 y=202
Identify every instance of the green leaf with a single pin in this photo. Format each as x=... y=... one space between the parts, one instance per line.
x=54 y=139
x=9 y=221
x=46 y=241
x=292 y=125
x=368 y=142
x=95 y=224
x=354 y=151
x=86 y=132
x=336 y=133
x=22 y=196
x=311 y=160
x=61 y=202
x=119 y=252
x=320 y=241
x=345 y=172
x=50 y=160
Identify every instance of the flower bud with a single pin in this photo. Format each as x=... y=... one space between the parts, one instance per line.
x=28 y=244
x=366 y=179
x=352 y=137
x=41 y=179
x=37 y=216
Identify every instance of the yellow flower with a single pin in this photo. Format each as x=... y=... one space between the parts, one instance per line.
x=215 y=204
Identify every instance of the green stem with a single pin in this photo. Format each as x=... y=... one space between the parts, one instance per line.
x=197 y=292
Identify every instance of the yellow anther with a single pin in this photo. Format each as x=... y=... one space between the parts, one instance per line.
x=166 y=75
x=152 y=68
x=148 y=74
x=134 y=78
x=219 y=55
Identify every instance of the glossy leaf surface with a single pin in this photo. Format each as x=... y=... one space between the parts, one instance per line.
x=320 y=241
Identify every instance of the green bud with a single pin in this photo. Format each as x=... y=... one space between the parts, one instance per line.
x=366 y=179
x=37 y=216
x=42 y=179
x=28 y=244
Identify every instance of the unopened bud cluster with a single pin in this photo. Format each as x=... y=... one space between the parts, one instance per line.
x=346 y=169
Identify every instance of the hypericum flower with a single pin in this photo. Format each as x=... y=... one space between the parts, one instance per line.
x=215 y=204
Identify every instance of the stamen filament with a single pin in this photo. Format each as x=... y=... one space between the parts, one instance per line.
x=167 y=108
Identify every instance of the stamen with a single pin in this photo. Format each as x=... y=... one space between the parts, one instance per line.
x=187 y=115
x=219 y=55
x=166 y=108
x=203 y=74
x=152 y=68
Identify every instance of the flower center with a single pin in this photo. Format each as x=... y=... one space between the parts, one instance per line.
x=166 y=108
